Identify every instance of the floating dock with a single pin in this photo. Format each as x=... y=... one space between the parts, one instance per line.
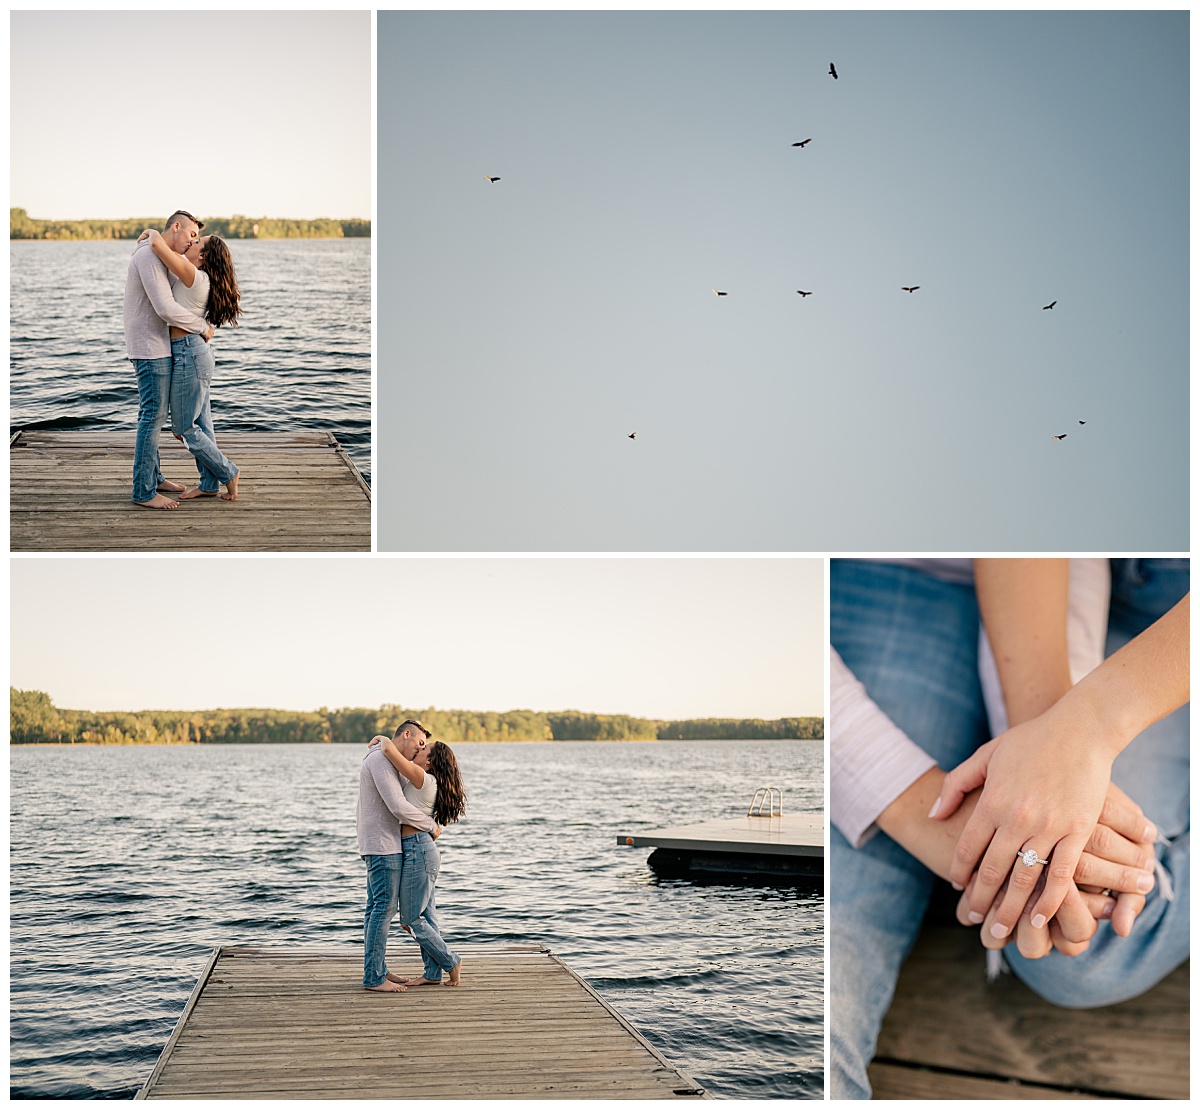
x=786 y=844
x=952 y=1035
x=299 y=491
x=271 y=1023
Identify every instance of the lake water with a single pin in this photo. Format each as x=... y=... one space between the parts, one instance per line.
x=300 y=359
x=130 y=864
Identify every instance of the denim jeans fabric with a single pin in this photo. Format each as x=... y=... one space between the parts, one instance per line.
x=1154 y=771
x=912 y=640
x=383 y=890
x=417 y=909
x=154 y=390
x=191 y=416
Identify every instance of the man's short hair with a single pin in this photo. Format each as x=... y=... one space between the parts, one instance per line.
x=416 y=724
x=186 y=215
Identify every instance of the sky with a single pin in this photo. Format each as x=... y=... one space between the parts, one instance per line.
x=120 y=114
x=659 y=638
x=999 y=161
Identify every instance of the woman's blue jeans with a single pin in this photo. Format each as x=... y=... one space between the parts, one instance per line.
x=417 y=909
x=912 y=641
x=383 y=889
x=191 y=416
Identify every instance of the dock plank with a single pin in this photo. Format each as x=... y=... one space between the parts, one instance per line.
x=283 y=1023
x=948 y=1018
x=299 y=491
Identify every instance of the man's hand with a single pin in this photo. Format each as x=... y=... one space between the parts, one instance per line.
x=208 y=334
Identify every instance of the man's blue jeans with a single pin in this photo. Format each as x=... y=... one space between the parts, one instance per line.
x=417 y=909
x=912 y=641
x=154 y=386
x=383 y=889
x=191 y=416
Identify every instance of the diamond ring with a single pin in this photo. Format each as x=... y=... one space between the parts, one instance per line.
x=1029 y=857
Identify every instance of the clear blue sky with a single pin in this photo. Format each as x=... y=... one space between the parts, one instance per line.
x=118 y=114
x=1000 y=161
x=665 y=638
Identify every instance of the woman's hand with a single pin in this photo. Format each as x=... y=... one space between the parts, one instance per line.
x=150 y=234
x=1044 y=788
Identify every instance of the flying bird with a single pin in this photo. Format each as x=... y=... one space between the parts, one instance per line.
x=632 y=435
x=493 y=180
x=910 y=288
x=719 y=293
x=1050 y=305
x=1083 y=422
x=1063 y=436
x=805 y=143
x=803 y=293
x=832 y=71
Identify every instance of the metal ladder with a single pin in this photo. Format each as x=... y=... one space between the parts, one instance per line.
x=767 y=802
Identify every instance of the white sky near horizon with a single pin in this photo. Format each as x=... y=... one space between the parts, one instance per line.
x=662 y=638
x=999 y=160
x=135 y=113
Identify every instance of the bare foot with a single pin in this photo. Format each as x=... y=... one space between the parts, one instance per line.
x=230 y=493
x=196 y=491
x=455 y=974
x=388 y=987
x=422 y=982
x=167 y=486
x=158 y=502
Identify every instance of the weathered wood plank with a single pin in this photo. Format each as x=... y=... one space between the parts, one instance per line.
x=69 y=491
x=946 y=1015
x=891 y=1081
x=265 y=1023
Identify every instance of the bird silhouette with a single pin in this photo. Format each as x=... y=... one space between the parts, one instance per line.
x=803 y=293
x=910 y=288
x=805 y=143
x=1063 y=436
x=1050 y=305
x=493 y=180
x=832 y=71
x=719 y=293
x=632 y=435
x=1083 y=422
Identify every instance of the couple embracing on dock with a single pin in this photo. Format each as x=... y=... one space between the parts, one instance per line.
x=409 y=787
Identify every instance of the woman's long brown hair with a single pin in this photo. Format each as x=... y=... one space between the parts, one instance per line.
x=451 y=798
x=223 y=306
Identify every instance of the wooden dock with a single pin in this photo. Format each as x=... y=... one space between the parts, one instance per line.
x=292 y=1022
x=69 y=491
x=792 y=843
x=952 y=1035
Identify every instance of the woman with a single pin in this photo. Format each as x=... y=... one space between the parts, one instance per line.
x=432 y=783
x=207 y=286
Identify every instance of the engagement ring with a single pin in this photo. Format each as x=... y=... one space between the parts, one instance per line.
x=1029 y=857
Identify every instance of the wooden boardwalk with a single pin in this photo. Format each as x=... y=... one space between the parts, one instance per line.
x=69 y=491
x=292 y=1022
x=952 y=1035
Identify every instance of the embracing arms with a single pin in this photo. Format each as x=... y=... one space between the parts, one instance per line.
x=393 y=797
x=158 y=291
x=180 y=265
x=406 y=767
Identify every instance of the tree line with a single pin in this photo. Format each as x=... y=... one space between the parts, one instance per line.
x=22 y=226
x=34 y=719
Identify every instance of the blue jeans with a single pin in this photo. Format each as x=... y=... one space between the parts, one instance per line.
x=911 y=640
x=383 y=888
x=191 y=417
x=154 y=388
x=417 y=909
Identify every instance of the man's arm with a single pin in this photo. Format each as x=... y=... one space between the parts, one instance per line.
x=158 y=288
x=393 y=797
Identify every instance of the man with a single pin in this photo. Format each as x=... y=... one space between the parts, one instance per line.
x=382 y=809
x=150 y=310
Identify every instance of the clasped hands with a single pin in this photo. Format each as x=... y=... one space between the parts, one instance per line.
x=1046 y=786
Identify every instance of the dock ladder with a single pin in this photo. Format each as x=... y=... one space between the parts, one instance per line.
x=767 y=802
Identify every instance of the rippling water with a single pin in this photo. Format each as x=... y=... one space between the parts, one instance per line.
x=130 y=864
x=301 y=358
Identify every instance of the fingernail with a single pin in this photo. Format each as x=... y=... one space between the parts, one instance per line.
x=1145 y=883
x=975 y=918
x=955 y=885
x=1151 y=832
x=1039 y=920
x=1000 y=931
x=1106 y=911
x=937 y=804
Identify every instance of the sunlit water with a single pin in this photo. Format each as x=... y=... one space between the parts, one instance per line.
x=300 y=359
x=130 y=864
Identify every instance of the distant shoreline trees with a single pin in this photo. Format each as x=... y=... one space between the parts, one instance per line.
x=22 y=226
x=34 y=719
